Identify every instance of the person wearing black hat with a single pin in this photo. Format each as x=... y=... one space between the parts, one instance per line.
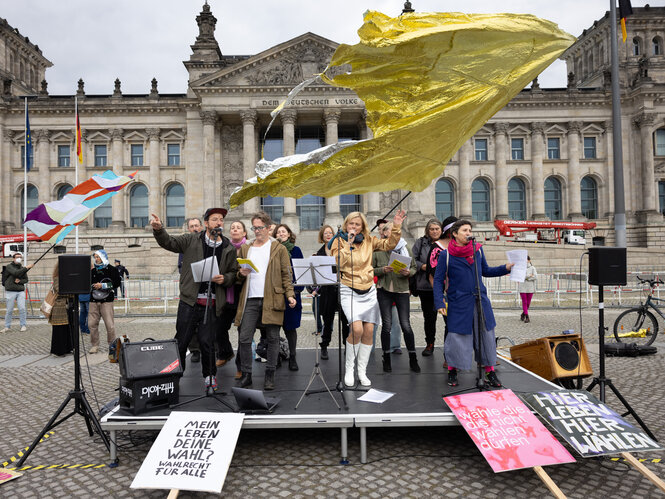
x=194 y=296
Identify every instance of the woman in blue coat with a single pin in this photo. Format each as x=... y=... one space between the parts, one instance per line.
x=458 y=302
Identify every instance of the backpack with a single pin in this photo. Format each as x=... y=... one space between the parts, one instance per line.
x=5 y=274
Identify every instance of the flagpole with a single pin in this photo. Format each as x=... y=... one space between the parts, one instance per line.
x=76 y=166
x=25 y=184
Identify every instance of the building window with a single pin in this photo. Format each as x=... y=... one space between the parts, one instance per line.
x=661 y=196
x=63 y=155
x=272 y=146
x=308 y=139
x=138 y=206
x=346 y=133
x=31 y=158
x=657 y=46
x=589 y=194
x=311 y=210
x=137 y=154
x=273 y=206
x=348 y=203
x=103 y=215
x=173 y=154
x=553 y=199
x=175 y=205
x=444 y=194
x=62 y=190
x=33 y=201
x=517 y=149
x=480 y=146
x=589 y=147
x=516 y=199
x=637 y=49
x=100 y=155
x=480 y=200
x=659 y=142
x=553 y=148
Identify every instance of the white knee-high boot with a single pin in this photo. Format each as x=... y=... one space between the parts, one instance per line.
x=363 y=358
x=349 y=377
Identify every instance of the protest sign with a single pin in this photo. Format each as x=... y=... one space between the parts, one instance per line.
x=505 y=431
x=6 y=475
x=192 y=452
x=592 y=428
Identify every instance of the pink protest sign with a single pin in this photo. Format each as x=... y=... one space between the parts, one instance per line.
x=505 y=431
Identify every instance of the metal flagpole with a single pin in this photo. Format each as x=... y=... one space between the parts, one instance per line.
x=25 y=184
x=76 y=168
x=619 y=199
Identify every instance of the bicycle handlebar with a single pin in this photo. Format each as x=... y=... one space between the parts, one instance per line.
x=652 y=282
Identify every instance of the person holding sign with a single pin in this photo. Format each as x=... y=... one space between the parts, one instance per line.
x=195 y=247
x=263 y=297
x=456 y=264
x=355 y=247
x=393 y=287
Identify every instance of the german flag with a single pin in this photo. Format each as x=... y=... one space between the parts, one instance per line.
x=625 y=9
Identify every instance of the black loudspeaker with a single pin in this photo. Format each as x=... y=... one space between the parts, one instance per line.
x=74 y=274
x=607 y=266
x=149 y=359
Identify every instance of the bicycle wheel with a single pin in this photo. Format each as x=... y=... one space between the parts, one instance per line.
x=637 y=326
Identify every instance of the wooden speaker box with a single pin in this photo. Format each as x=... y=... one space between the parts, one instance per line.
x=554 y=357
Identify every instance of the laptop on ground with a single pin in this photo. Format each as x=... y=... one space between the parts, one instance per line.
x=253 y=400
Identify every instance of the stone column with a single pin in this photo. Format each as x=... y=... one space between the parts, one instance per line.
x=41 y=154
x=333 y=214
x=249 y=152
x=464 y=188
x=155 y=185
x=537 y=181
x=209 y=120
x=7 y=189
x=645 y=123
x=288 y=130
x=574 y=193
x=500 y=158
x=118 y=201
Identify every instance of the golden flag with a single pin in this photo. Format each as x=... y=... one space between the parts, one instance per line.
x=429 y=82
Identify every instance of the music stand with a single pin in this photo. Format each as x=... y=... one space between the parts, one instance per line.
x=312 y=274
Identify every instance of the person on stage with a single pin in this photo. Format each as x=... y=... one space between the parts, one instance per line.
x=292 y=315
x=355 y=247
x=393 y=288
x=104 y=278
x=193 y=225
x=263 y=298
x=195 y=247
x=456 y=265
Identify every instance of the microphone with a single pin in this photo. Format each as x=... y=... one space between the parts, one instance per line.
x=216 y=231
x=472 y=239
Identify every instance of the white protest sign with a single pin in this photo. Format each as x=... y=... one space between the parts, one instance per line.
x=192 y=452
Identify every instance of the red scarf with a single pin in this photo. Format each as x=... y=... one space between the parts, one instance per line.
x=465 y=251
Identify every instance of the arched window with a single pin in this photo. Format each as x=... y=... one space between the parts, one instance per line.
x=637 y=46
x=33 y=201
x=657 y=45
x=103 y=214
x=553 y=198
x=62 y=190
x=516 y=199
x=312 y=211
x=273 y=207
x=348 y=203
x=480 y=200
x=138 y=206
x=444 y=193
x=175 y=205
x=589 y=194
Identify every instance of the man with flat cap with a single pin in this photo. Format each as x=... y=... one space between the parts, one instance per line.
x=194 y=296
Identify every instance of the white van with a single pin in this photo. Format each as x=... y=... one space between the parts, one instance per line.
x=573 y=236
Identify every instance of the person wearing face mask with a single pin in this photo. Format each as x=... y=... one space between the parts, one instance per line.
x=104 y=279
x=15 y=291
x=194 y=304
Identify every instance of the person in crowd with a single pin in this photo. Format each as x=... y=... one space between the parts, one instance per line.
x=467 y=334
x=355 y=247
x=15 y=291
x=527 y=289
x=194 y=225
x=205 y=299
x=393 y=288
x=104 y=279
x=292 y=315
x=420 y=250
x=263 y=297
x=61 y=335
x=84 y=308
x=124 y=274
x=395 y=331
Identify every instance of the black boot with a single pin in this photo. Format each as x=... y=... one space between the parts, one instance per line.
x=293 y=365
x=526 y=319
x=269 y=383
x=245 y=380
x=522 y=316
x=324 y=352
x=387 y=367
x=413 y=362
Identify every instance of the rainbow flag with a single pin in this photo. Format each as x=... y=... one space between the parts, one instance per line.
x=53 y=221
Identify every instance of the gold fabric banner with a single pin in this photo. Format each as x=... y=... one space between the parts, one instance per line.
x=429 y=82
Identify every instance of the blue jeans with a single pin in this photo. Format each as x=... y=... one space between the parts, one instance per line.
x=84 y=306
x=19 y=298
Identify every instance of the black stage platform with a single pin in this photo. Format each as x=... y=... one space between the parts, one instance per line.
x=417 y=400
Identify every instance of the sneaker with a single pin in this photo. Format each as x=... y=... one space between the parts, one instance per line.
x=93 y=350
x=4 y=330
x=211 y=381
x=429 y=350
x=23 y=329
x=85 y=332
x=452 y=377
x=492 y=379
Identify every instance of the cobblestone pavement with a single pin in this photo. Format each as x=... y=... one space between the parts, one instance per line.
x=403 y=462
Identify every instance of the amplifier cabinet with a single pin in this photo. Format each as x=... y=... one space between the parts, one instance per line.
x=148 y=359
x=139 y=396
x=554 y=357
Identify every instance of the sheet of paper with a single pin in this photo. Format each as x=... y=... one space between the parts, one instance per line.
x=314 y=270
x=399 y=262
x=376 y=396
x=518 y=257
x=201 y=269
x=246 y=263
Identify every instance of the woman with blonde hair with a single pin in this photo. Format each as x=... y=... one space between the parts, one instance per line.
x=354 y=247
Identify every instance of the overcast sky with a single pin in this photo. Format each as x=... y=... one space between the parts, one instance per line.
x=136 y=40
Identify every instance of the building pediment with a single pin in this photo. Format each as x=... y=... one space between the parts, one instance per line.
x=286 y=64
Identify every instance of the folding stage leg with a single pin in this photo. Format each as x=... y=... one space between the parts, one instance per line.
x=345 y=446
x=113 y=449
x=363 y=444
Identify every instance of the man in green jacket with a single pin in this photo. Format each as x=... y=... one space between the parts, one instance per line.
x=209 y=294
x=15 y=291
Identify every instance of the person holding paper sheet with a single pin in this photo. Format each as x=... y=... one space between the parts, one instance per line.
x=393 y=287
x=527 y=288
x=195 y=247
x=456 y=263
x=355 y=247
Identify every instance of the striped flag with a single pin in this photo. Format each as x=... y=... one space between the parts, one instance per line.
x=28 y=141
x=79 y=151
x=625 y=9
